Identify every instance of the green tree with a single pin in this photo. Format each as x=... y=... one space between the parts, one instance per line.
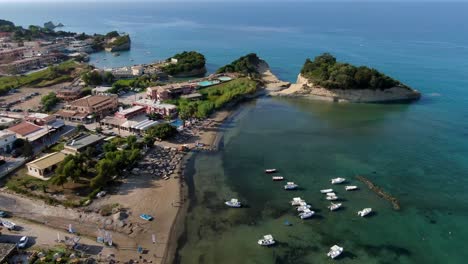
x=92 y=78
x=49 y=101
x=27 y=149
x=162 y=131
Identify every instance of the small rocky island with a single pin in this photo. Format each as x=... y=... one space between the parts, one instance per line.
x=117 y=42
x=325 y=78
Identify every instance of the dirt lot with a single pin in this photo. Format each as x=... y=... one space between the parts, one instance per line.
x=34 y=102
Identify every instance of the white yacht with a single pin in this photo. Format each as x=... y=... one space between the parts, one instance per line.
x=332 y=198
x=233 y=203
x=351 y=187
x=335 y=251
x=291 y=186
x=326 y=190
x=334 y=206
x=303 y=206
x=296 y=201
x=338 y=180
x=267 y=240
x=270 y=170
x=307 y=213
x=364 y=212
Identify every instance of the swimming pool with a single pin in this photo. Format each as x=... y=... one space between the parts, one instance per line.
x=177 y=123
x=208 y=83
x=224 y=78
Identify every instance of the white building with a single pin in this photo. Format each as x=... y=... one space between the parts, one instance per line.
x=6 y=141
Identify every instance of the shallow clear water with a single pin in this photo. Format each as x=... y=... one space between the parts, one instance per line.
x=310 y=143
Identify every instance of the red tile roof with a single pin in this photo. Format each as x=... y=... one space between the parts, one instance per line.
x=24 y=128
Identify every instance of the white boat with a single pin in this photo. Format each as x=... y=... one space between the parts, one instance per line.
x=277 y=178
x=338 y=180
x=233 y=203
x=297 y=201
x=9 y=225
x=334 y=206
x=303 y=206
x=290 y=186
x=326 y=190
x=335 y=251
x=331 y=194
x=267 y=240
x=270 y=170
x=364 y=212
x=307 y=213
x=332 y=198
x=351 y=187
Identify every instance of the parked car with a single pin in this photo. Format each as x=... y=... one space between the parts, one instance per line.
x=146 y=217
x=23 y=242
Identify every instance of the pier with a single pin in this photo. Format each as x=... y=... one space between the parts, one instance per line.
x=380 y=192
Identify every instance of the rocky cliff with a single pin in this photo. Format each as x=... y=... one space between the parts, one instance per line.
x=304 y=88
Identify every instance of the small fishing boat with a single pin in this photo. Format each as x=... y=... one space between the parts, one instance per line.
x=334 y=206
x=351 y=187
x=331 y=194
x=332 y=198
x=233 y=203
x=364 y=212
x=338 y=180
x=307 y=213
x=296 y=201
x=303 y=206
x=267 y=240
x=291 y=186
x=277 y=178
x=335 y=251
x=271 y=170
x=326 y=190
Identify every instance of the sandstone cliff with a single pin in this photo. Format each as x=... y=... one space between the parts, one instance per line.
x=304 y=88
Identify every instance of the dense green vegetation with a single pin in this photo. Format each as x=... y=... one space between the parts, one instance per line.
x=49 y=101
x=63 y=72
x=186 y=62
x=139 y=82
x=246 y=65
x=215 y=97
x=120 y=40
x=325 y=71
x=32 y=32
x=161 y=131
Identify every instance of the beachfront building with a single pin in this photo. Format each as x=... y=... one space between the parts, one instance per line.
x=133 y=120
x=101 y=90
x=80 y=144
x=170 y=91
x=7 y=121
x=156 y=107
x=126 y=72
x=42 y=168
x=88 y=108
x=6 y=141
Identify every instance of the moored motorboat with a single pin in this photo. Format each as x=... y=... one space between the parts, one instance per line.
x=351 y=187
x=331 y=194
x=335 y=251
x=302 y=206
x=334 y=206
x=364 y=212
x=233 y=203
x=267 y=240
x=270 y=170
x=307 y=213
x=338 y=180
x=296 y=201
x=332 y=198
x=290 y=186
x=277 y=178
x=326 y=190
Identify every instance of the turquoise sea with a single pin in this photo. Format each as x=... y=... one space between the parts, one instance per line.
x=416 y=152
